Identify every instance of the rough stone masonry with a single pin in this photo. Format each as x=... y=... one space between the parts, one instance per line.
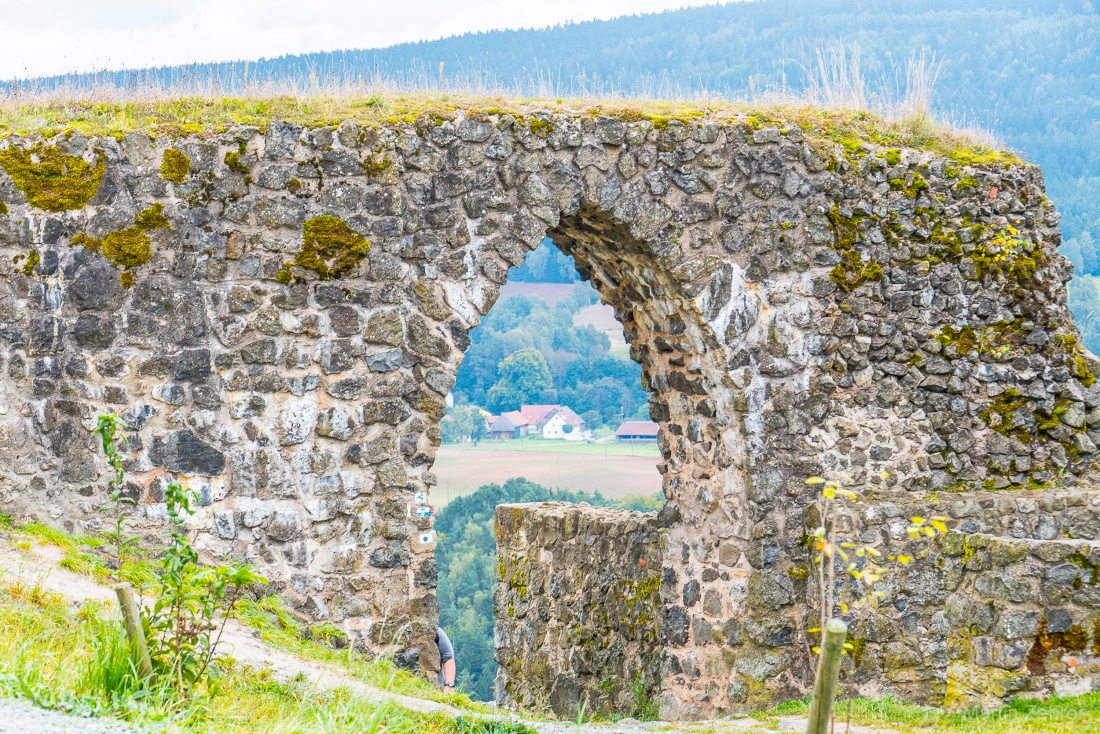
x=279 y=313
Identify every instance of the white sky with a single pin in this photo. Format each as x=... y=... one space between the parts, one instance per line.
x=43 y=37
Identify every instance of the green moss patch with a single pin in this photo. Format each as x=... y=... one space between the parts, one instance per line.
x=852 y=272
x=130 y=247
x=374 y=166
x=911 y=190
x=999 y=415
x=3 y=208
x=52 y=180
x=964 y=339
x=152 y=218
x=233 y=161
x=968 y=184
x=330 y=248
x=32 y=260
x=175 y=166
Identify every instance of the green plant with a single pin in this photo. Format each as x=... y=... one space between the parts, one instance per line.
x=490 y=726
x=112 y=674
x=182 y=624
x=579 y=721
x=109 y=428
x=645 y=708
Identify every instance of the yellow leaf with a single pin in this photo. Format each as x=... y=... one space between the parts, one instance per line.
x=939 y=526
x=815 y=480
x=904 y=560
x=814 y=629
x=885 y=475
x=815 y=649
x=918 y=521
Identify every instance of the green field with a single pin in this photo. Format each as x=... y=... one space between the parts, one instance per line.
x=612 y=469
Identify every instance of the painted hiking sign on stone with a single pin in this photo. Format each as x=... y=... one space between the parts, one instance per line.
x=278 y=315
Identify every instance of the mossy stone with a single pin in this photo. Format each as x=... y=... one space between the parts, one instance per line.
x=32 y=260
x=152 y=218
x=330 y=247
x=175 y=166
x=52 y=180
x=129 y=247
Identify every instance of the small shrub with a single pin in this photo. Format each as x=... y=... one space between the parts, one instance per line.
x=182 y=626
x=109 y=429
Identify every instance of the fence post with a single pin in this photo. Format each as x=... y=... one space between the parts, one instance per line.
x=828 y=671
x=131 y=618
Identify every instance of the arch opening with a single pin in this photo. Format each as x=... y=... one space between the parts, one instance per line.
x=577 y=430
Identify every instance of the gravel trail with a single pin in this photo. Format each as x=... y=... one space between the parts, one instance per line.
x=21 y=716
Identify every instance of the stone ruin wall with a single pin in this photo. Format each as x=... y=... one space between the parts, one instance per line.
x=278 y=314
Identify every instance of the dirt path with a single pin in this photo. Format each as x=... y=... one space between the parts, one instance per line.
x=39 y=567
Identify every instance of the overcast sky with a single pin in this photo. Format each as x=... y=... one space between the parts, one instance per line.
x=59 y=36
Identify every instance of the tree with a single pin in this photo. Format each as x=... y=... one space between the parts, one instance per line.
x=480 y=428
x=592 y=419
x=460 y=424
x=524 y=378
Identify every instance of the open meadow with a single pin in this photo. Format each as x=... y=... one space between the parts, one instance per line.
x=614 y=470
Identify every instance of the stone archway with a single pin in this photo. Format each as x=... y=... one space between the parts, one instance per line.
x=279 y=314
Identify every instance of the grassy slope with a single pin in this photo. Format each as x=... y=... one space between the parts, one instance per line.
x=39 y=661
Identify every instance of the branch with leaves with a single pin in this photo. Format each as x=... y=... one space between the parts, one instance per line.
x=863 y=562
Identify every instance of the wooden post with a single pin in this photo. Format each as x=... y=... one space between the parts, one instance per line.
x=828 y=672
x=131 y=618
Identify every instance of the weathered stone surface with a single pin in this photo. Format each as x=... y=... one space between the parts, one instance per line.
x=797 y=308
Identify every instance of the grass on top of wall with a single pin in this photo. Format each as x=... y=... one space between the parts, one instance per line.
x=175 y=117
